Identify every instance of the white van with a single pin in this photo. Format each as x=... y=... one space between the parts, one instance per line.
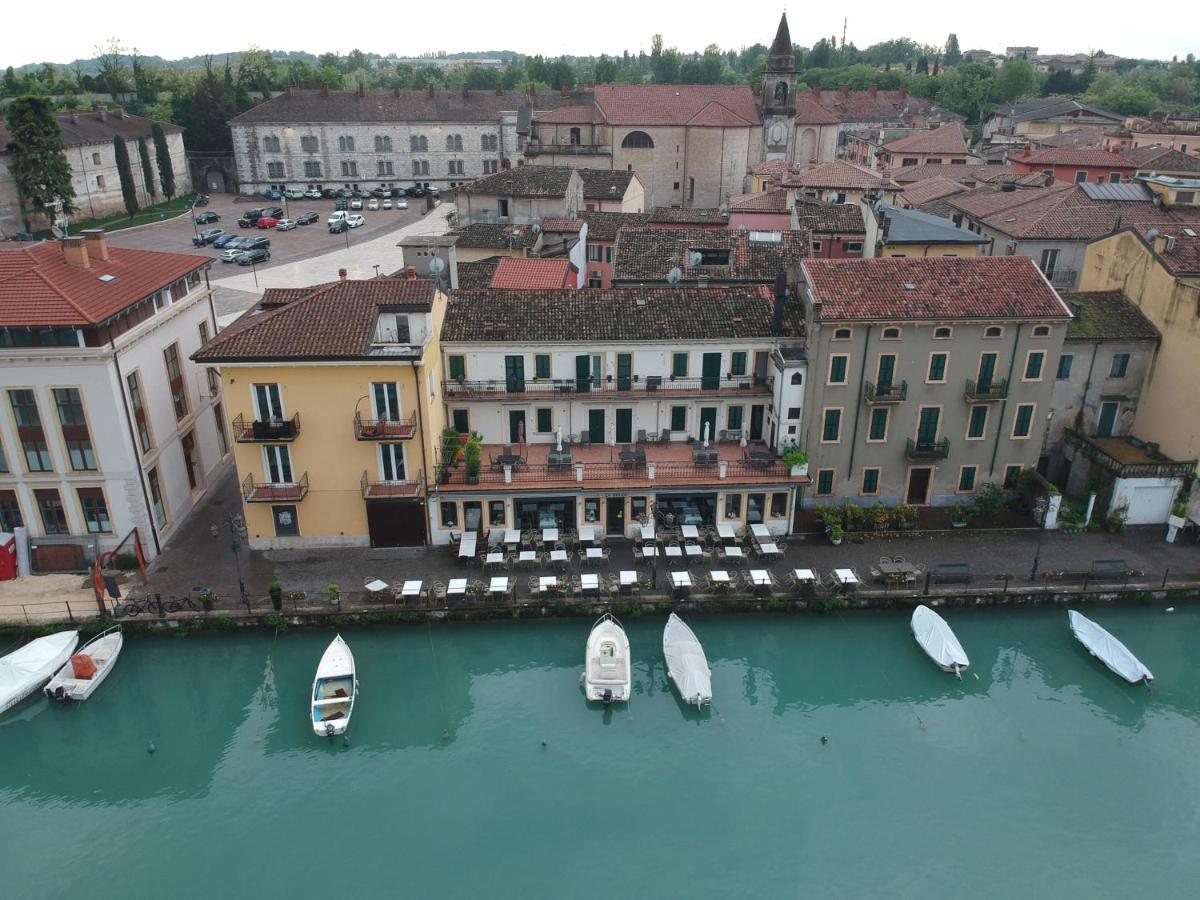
x=337 y=216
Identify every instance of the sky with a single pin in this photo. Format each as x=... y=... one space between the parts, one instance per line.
x=71 y=29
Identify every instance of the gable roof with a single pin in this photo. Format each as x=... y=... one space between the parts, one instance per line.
x=37 y=287
x=874 y=105
x=99 y=127
x=523 y=181
x=911 y=226
x=939 y=288
x=569 y=115
x=772 y=200
x=677 y=104
x=603 y=226
x=1073 y=156
x=837 y=174
x=1064 y=108
x=531 y=274
x=1184 y=257
x=931 y=189
x=496 y=236
x=477 y=274
x=810 y=112
x=332 y=322
x=605 y=184
x=830 y=218
x=775 y=167
x=616 y=314
x=1084 y=136
x=945 y=139
x=648 y=254
x=688 y=215
x=1107 y=316
x=1163 y=159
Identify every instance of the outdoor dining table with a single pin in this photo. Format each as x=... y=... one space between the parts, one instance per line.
x=547 y=583
x=512 y=536
x=628 y=578
x=734 y=553
x=760 y=577
x=648 y=532
x=690 y=532
x=759 y=530
x=845 y=576
x=649 y=550
x=673 y=550
x=726 y=532
x=719 y=575
x=693 y=550
x=593 y=553
x=411 y=589
x=375 y=586
x=587 y=533
x=804 y=575
x=589 y=581
x=499 y=584
x=681 y=579
x=768 y=549
x=558 y=556
x=494 y=558
x=457 y=587
x=527 y=556
x=549 y=535
x=466 y=547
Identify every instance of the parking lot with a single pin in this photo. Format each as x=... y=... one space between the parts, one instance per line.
x=286 y=246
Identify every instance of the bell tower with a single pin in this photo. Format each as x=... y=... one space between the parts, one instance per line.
x=779 y=95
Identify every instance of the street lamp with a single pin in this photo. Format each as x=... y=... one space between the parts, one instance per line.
x=235 y=524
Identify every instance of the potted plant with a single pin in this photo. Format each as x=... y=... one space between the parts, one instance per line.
x=854 y=517
x=837 y=534
x=960 y=515
x=473 y=455
x=830 y=517
x=797 y=462
x=207 y=598
x=335 y=594
x=905 y=516
x=276 y=591
x=879 y=516
x=1176 y=520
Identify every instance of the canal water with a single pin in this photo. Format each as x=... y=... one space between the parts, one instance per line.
x=1045 y=776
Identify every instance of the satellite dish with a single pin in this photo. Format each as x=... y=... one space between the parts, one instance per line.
x=536 y=228
x=437 y=265
x=694 y=258
x=723 y=209
x=674 y=275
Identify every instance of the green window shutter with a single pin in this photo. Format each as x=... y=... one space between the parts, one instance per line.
x=978 y=421
x=837 y=370
x=543 y=421
x=937 y=367
x=1064 y=366
x=832 y=426
x=879 y=424
x=966 y=479
x=679 y=365
x=870 y=483
x=1024 y=420
x=1033 y=366
x=735 y=417
x=679 y=418
x=458 y=367
x=737 y=362
x=461 y=421
x=825 y=481
x=541 y=366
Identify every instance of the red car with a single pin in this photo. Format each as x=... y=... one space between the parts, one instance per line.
x=267 y=222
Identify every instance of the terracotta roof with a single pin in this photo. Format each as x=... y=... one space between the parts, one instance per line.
x=931 y=189
x=676 y=104
x=494 y=236
x=81 y=128
x=773 y=200
x=985 y=201
x=830 y=218
x=1056 y=108
x=531 y=274
x=561 y=223
x=946 y=139
x=298 y=107
x=603 y=226
x=776 y=167
x=1107 y=316
x=810 y=112
x=1184 y=257
x=37 y=287
x=1073 y=156
x=1007 y=175
x=648 y=254
x=691 y=215
x=605 y=184
x=1086 y=136
x=969 y=175
x=523 y=181
x=335 y=321
x=275 y=296
x=837 y=175
x=1163 y=159
x=1071 y=214
x=616 y=314
x=569 y=115
x=478 y=274
x=940 y=288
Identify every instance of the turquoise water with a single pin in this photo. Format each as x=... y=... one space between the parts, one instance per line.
x=1045 y=776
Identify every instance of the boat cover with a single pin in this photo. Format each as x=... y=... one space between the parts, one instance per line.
x=1108 y=649
x=936 y=639
x=34 y=662
x=686 y=662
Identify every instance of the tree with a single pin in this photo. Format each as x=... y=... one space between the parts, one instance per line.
x=953 y=54
x=257 y=71
x=111 y=64
x=38 y=160
x=964 y=89
x=147 y=169
x=820 y=56
x=923 y=65
x=666 y=67
x=606 y=70
x=1016 y=79
x=125 y=172
x=162 y=156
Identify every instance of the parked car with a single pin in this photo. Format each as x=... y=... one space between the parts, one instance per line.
x=231 y=254
x=356 y=202
x=285 y=225
x=207 y=236
x=255 y=243
x=272 y=194
x=249 y=217
x=337 y=216
x=381 y=192
x=312 y=194
x=225 y=240
x=329 y=194
x=345 y=192
x=267 y=222
x=307 y=218
x=416 y=191
x=340 y=203
x=387 y=202
x=373 y=205
x=253 y=256
x=205 y=217
x=275 y=212
x=356 y=221
x=294 y=194
x=401 y=203
x=337 y=226
x=201 y=200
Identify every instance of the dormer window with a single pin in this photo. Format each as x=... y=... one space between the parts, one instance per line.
x=714 y=257
x=392 y=328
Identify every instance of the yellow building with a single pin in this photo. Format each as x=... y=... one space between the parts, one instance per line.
x=1158 y=268
x=332 y=394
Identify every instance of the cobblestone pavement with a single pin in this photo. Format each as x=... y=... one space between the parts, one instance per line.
x=194 y=558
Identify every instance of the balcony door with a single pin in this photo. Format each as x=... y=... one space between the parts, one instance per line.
x=391 y=462
x=708 y=423
x=624 y=371
x=757 y=412
x=887 y=372
x=516 y=426
x=710 y=372
x=1108 y=418
x=987 y=372
x=927 y=426
x=268 y=406
x=385 y=401
x=596 y=426
x=514 y=374
x=918 y=486
x=624 y=420
x=277 y=464
x=583 y=373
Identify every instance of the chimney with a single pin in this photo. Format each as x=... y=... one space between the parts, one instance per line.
x=873 y=90
x=411 y=273
x=780 y=300
x=816 y=92
x=96 y=244
x=75 y=253
x=341 y=274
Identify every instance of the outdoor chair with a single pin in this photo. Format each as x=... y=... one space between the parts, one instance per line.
x=641 y=438
x=576 y=585
x=898 y=559
x=876 y=575
x=534 y=585
x=664 y=437
x=885 y=560
x=437 y=591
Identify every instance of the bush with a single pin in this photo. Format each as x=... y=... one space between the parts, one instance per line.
x=795 y=457
x=473 y=455
x=125 y=562
x=989 y=502
x=831 y=515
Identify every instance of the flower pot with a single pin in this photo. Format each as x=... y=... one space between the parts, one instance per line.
x=206 y=603
x=799 y=471
x=276 y=598
x=835 y=541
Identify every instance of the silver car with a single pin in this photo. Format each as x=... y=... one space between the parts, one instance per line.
x=285 y=224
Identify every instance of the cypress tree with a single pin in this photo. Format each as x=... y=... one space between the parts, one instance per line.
x=39 y=162
x=162 y=155
x=147 y=169
x=128 y=188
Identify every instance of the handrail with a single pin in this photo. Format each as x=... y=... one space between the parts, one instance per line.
x=265 y=430
x=997 y=389
x=928 y=450
x=633 y=384
x=885 y=393
x=267 y=492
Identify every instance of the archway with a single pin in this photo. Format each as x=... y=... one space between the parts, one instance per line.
x=214 y=181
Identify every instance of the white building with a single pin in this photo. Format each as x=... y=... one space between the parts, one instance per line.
x=88 y=137
x=106 y=425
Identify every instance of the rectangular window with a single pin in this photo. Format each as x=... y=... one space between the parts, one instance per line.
x=544 y=425
x=679 y=365
x=271 y=144
x=496 y=514
x=737 y=362
x=95 y=510
x=541 y=365
x=461 y=420
x=175 y=379
x=1120 y=365
x=733 y=506
x=734 y=418
x=679 y=418
x=825 y=482
x=133 y=381
x=1023 y=420
x=1011 y=474
x=1033 y=365
x=75 y=429
x=219 y=423
x=458 y=367
x=29 y=430
x=10 y=512
x=937 y=367
x=449 y=514
x=870 y=481
x=1080 y=176
x=595 y=253
x=877 y=426
x=793 y=412
x=312 y=170
x=837 y=369
x=156 y=498
x=1064 y=366
x=275 y=170
x=831 y=427
x=966 y=479
x=3 y=461
x=779 y=502
x=54 y=517
x=977 y=423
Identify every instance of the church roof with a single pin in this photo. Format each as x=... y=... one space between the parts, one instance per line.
x=782 y=45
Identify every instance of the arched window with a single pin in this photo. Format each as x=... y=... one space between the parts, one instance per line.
x=638 y=139
x=781 y=91
x=797 y=378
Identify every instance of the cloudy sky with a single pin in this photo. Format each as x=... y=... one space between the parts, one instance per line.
x=71 y=29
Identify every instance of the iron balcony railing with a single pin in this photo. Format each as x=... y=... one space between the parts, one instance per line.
x=928 y=449
x=264 y=492
x=535 y=148
x=885 y=393
x=265 y=430
x=997 y=389
x=671 y=472
x=462 y=389
x=392 y=490
x=384 y=429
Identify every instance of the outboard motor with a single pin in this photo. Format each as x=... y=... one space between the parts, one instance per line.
x=60 y=694
x=329 y=729
x=608 y=697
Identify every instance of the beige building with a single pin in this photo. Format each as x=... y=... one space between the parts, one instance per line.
x=918 y=393
x=521 y=196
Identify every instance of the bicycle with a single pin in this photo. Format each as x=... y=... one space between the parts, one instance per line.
x=134 y=607
x=179 y=604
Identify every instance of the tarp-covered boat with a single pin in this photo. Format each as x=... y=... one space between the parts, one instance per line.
x=686 y=663
x=1108 y=649
x=937 y=640
x=24 y=671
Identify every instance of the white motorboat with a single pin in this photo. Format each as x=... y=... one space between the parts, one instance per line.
x=686 y=663
x=334 y=690
x=24 y=671
x=607 y=675
x=1108 y=649
x=86 y=670
x=938 y=641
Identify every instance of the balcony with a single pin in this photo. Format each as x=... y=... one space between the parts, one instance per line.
x=384 y=429
x=392 y=490
x=602 y=467
x=613 y=387
x=536 y=148
x=269 y=431
x=928 y=449
x=885 y=393
x=986 y=390
x=259 y=492
x=1063 y=278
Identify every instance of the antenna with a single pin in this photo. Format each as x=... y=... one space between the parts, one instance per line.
x=674 y=275
x=694 y=258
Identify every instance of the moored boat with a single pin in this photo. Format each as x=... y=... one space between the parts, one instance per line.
x=86 y=670
x=1110 y=651
x=607 y=676
x=24 y=671
x=938 y=640
x=333 y=690
x=687 y=665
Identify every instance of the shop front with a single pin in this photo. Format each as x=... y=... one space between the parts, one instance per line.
x=686 y=509
x=545 y=512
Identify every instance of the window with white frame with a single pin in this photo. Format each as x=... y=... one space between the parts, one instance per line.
x=312 y=170
x=271 y=144
x=275 y=170
x=309 y=143
x=383 y=143
x=350 y=168
x=491 y=166
x=346 y=144
x=277 y=464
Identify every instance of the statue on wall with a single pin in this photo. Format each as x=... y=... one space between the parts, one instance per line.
x=781 y=91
